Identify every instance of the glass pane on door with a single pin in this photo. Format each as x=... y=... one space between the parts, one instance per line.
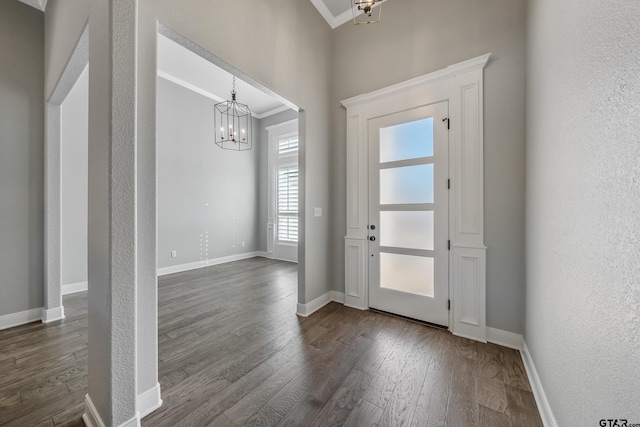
x=406 y=185
x=407 y=273
x=413 y=230
x=405 y=141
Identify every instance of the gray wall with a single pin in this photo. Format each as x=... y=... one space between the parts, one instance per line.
x=263 y=176
x=432 y=35
x=583 y=207
x=202 y=190
x=207 y=196
x=21 y=157
x=286 y=46
x=272 y=46
x=417 y=37
x=74 y=144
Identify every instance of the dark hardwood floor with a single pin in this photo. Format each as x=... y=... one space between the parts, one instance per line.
x=233 y=352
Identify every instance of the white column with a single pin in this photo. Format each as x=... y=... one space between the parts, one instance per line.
x=112 y=214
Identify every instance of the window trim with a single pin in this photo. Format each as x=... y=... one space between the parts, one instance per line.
x=277 y=248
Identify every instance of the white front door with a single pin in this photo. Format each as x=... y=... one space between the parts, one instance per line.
x=408 y=214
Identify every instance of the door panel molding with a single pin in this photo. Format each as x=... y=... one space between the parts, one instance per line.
x=462 y=86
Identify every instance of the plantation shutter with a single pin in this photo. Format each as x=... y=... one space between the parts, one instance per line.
x=287 y=203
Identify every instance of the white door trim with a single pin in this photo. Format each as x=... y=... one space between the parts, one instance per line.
x=462 y=86
x=52 y=215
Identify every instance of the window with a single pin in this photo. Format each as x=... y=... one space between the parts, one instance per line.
x=287 y=189
x=287 y=196
x=284 y=180
x=287 y=144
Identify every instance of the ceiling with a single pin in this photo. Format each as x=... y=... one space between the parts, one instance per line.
x=335 y=12
x=185 y=68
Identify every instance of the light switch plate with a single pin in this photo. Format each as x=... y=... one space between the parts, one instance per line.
x=317 y=211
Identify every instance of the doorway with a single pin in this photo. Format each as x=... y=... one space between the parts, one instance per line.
x=408 y=214
x=283 y=188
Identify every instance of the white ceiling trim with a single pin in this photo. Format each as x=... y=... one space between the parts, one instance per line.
x=188 y=85
x=215 y=98
x=38 y=4
x=276 y=110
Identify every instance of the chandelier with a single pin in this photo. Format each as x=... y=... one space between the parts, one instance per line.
x=233 y=122
x=366 y=11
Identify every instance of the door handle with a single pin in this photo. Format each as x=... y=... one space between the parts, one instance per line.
x=372 y=238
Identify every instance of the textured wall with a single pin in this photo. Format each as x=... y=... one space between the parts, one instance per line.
x=583 y=207
x=74 y=143
x=112 y=243
x=417 y=37
x=21 y=157
x=207 y=197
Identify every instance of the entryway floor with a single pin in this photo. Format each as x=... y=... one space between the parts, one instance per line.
x=233 y=352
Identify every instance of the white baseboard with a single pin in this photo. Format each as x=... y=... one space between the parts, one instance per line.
x=16 y=319
x=92 y=418
x=52 y=314
x=82 y=286
x=308 y=309
x=548 y=420
x=133 y=422
x=517 y=342
x=505 y=338
x=272 y=256
x=149 y=401
x=208 y=263
x=72 y=288
x=337 y=296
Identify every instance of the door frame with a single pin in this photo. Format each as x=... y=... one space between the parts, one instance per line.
x=462 y=86
x=275 y=249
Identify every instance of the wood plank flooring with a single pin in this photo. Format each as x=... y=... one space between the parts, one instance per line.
x=233 y=353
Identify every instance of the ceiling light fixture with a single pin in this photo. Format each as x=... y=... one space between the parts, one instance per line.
x=233 y=119
x=366 y=11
